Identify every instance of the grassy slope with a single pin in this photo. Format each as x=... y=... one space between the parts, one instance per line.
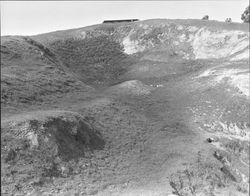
x=147 y=138
x=95 y=60
x=31 y=74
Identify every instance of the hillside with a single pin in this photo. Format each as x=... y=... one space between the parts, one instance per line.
x=156 y=107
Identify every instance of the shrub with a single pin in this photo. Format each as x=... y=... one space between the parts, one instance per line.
x=245 y=17
x=229 y=20
x=200 y=178
x=206 y=17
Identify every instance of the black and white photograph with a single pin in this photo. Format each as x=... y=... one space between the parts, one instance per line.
x=125 y=98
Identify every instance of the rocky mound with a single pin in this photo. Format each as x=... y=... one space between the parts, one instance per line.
x=64 y=134
x=41 y=143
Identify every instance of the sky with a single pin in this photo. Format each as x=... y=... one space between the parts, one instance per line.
x=35 y=17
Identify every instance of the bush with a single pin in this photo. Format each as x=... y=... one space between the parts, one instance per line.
x=206 y=17
x=229 y=20
x=202 y=177
x=245 y=17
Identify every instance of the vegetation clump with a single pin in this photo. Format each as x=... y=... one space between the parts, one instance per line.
x=206 y=17
x=206 y=177
x=245 y=17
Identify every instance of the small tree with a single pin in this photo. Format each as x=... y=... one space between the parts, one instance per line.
x=206 y=17
x=245 y=17
x=229 y=20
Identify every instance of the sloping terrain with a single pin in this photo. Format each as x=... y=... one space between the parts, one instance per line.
x=162 y=104
x=31 y=74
